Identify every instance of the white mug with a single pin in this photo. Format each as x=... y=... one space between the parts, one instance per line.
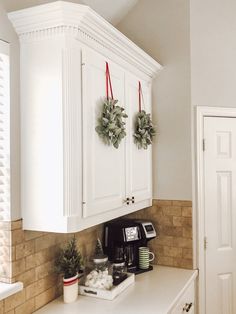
x=145 y=257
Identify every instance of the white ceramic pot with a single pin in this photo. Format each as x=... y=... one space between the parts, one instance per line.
x=70 y=289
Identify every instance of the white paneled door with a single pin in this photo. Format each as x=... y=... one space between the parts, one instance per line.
x=220 y=214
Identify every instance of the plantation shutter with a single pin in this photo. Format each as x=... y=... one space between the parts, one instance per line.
x=4 y=132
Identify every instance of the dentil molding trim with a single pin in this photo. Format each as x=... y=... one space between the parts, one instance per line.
x=84 y=24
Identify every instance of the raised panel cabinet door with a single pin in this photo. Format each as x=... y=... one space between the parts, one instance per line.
x=185 y=304
x=138 y=161
x=103 y=165
x=220 y=214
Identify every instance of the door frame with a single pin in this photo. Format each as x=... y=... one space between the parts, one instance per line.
x=200 y=113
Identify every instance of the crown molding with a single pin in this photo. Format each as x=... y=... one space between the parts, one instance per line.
x=84 y=22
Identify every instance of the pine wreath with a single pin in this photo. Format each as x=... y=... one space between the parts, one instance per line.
x=111 y=125
x=143 y=130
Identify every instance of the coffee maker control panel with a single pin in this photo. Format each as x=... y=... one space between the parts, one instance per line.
x=148 y=229
x=132 y=233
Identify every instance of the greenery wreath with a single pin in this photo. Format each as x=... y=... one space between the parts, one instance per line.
x=143 y=130
x=111 y=125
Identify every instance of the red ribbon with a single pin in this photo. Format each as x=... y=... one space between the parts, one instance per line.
x=108 y=81
x=139 y=97
x=70 y=282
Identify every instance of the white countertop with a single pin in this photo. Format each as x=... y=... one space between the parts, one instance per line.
x=154 y=292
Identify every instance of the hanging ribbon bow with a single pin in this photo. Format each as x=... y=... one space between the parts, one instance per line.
x=108 y=82
x=139 y=97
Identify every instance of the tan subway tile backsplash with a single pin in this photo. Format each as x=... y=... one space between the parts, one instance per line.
x=24 y=249
x=13 y=301
x=173 y=220
x=1 y=307
x=27 y=277
x=45 y=297
x=28 y=256
x=26 y=308
x=18 y=267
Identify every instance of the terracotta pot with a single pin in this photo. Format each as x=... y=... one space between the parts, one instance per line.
x=70 y=289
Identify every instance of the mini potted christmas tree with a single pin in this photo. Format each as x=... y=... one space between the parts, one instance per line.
x=98 y=249
x=69 y=263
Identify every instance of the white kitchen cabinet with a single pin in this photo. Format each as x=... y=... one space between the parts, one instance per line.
x=186 y=302
x=70 y=180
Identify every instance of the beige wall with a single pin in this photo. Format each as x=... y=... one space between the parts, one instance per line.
x=161 y=28
x=8 y=34
x=213 y=51
x=12 y=5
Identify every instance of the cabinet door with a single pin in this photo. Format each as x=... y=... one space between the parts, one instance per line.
x=139 y=161
x=185 y=304
x=103 y=166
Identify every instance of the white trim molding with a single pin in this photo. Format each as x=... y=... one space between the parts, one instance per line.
x=201 y=113
x=84 y=24
x=5 y=163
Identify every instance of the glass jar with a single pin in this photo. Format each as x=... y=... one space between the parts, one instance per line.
x=119 y=272
x=99 y=274
x=101 y=263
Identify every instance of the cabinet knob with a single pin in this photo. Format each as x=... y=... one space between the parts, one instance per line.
x=127 y=200
x=133 y=200
x=187 y=307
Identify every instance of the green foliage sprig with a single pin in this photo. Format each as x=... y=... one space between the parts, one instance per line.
x=69 y=260
x=143 y=130
x=111 y=125
x=98 y=249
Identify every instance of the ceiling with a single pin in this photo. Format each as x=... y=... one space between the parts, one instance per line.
x=112 y=10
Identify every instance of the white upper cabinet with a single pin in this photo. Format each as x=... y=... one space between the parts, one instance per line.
x=70 y=179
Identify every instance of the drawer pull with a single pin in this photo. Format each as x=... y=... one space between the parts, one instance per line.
x=187 y=307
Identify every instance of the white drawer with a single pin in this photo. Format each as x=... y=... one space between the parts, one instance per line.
x=183 y=305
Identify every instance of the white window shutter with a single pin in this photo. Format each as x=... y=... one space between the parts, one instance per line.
x=4 y=132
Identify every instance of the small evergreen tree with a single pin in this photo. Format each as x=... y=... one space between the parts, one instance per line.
x=98 y=249
x=69 y=260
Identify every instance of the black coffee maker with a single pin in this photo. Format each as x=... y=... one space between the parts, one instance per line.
x=122 y=239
